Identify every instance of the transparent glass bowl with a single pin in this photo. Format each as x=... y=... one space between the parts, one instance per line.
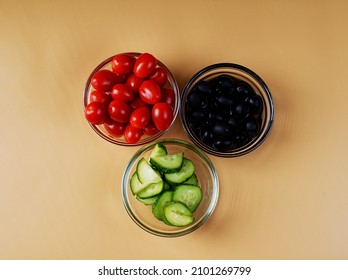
x=142 y=215
x=257 y=84
x=101 y=131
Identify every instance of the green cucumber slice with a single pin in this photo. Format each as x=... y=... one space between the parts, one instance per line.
x=186 y=171
x=162 y=201
x=146 y=174
x=193 y=180
x=177 y=214
x=135 y=184
x=190 y=195
x=158 y=150
x=151 y=190
x=148 y=200
x=168 y=163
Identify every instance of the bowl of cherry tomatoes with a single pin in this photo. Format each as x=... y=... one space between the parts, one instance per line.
x=131 y=99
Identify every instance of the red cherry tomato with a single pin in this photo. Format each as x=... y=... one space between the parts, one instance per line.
x=134 y=82
x=140 y=117
x=122 y=92
x=99 y=96
x=150 y=129
x=144 y=65
x=137 y=102
x=96 y=113
x=119 y=111
x=114 y=128
x=159 y=75
x=150 y=92
x=104 y=80
x=123 y=64
x=132 y=135
x=122 y=79
x=162 y=115
x=168 y=96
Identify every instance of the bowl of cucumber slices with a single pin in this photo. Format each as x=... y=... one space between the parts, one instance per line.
x=170 y=188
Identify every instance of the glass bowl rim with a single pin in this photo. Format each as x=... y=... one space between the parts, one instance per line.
x=212 y=203
x=268 y=99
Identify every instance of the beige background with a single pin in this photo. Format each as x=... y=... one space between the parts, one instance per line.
x=60 y=183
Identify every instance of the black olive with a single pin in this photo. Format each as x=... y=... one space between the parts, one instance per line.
x=205 y=87
x=241 y=139
x=225 y=100
x=197 y=116
x=196 y=99
x=255 y=102
x=224 y=144
x=216 y=115
x=241 y=109
x=252 y=127
x=244 y=88
x=221 y=128
x=234 y=123
x=206 y=134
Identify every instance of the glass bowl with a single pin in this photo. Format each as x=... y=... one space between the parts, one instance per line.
x=242 y=129
x=142 y=215
x=100 y=129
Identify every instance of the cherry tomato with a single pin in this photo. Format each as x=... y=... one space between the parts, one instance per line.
x=123 y=64
x=104 y=80
x=144 y=65
x=96 y=113
x=134 y=82
x=122 y=79
x=150 y=92
x=136 y=103
x=162 y=115
x=132 y=135
x=140 y=117
x=168 y=96
x=150 y=129
x=114 y=128
x=119 y=111
x=159 y=75
x=122 y=92
x=99 y=96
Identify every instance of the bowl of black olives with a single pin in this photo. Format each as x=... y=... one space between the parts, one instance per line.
x=227 y=110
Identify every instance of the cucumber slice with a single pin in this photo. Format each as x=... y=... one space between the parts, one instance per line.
x=166 y=222
x=190 y=195
x=162 y=201
x=186 y=171
x=193 y=180
x=168 y=163
x=146 y=174
x=135 y=184
x=147 y=201
x=158 y=150
x=177 y=214
x=151 y=190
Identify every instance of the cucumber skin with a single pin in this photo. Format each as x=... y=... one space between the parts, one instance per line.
x=161 y=202
x=176 y=178
x=158 y=150
x=165 y=169
x=193 y=180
